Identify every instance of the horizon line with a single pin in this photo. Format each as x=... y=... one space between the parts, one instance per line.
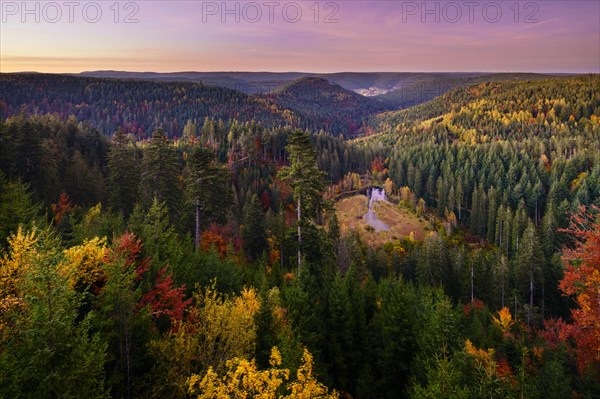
x=300 y=72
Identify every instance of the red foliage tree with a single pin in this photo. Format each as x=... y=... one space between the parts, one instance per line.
x=582 y=279
x=220 y=237
x=166 y=299
x=556 y=332
x=377 y=165
x=476 y=306
x=61 y=208
x=210 y=239
x=163 y=298
x=129 y=248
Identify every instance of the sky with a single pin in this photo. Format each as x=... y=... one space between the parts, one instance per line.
x=306 y=36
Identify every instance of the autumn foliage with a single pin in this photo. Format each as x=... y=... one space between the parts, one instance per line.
x=165 y=298
x=504 y=320
x=582 y=280
x=219 y=238
x=243 y=380
x=61 y=208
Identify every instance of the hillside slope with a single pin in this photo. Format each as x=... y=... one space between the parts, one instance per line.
x=324 y=105
x=497 y=109
x=136 y=106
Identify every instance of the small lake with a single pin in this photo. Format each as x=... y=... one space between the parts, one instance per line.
x=376 y=194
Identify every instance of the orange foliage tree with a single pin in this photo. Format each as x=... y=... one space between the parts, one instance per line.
x=582 y=279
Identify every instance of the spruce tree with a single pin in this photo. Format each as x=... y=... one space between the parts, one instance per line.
x=529 y=263
x=123 y=174
x=208 y=190
x=306 y=180
x=253 y=230
x=160 y=174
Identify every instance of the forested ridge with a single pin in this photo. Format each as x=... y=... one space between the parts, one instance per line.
x=140 y=107
x=135 y=106
x=204 y=258
x=421 y=91
x=327 y=106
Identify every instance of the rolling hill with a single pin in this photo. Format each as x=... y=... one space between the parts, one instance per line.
x=323 y=105
x=136 y=106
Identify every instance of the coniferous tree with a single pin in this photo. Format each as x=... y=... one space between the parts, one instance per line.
x=393 y=338
x=253 y=230
x=306 y=180
x=160 y=174
x=491 y=215
x=16 y=207
x=207 y=191
x=475 y=215
x=123 y=174
x=51 y=351
x=529 y=263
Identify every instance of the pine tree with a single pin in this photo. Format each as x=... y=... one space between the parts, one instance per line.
x=475 y=215
x=432 y=261
x=501 y=277
x=491 y=215
x=393 y=337
x=306 y=180
x=208 y=190
x=29 y=154
x=529 y=262
x=160 y=174
x=253 y=230
x=123 y=174
x=16 y=207
x=548 y=226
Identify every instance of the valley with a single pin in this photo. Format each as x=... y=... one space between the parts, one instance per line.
x=377 y=240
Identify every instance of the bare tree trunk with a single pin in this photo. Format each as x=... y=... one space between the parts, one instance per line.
x=128 y=360
x=502 y=292
x=543 y=300
x=530 y=299
x=472 y=273
x=281 y=239
x=500 y=235
x=299 y=234
x=197 y=232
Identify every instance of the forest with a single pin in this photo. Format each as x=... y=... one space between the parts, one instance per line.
x=176 y=240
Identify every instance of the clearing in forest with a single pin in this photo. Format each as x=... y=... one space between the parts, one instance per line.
x=401 y=222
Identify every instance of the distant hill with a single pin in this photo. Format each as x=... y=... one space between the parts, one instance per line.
x=246 y=82
x=135 y=106
x=365 y=83
x=496 y=109
x=140 y=106
x=141 y=102
x=324 y=105
x=420 y=89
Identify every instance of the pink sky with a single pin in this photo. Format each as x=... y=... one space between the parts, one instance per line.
x=544 y=36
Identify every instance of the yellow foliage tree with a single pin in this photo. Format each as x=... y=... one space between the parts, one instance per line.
x=244 y=380
x=388 y=186
x=18 y=260
x=217 y=328
x=483 y=359
x=504 y=320
x=227 y=325
x=306 y=385
x=83 y=264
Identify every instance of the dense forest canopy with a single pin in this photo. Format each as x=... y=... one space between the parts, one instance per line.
x=112 y=100
x=136 y=106
x=175 y=240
